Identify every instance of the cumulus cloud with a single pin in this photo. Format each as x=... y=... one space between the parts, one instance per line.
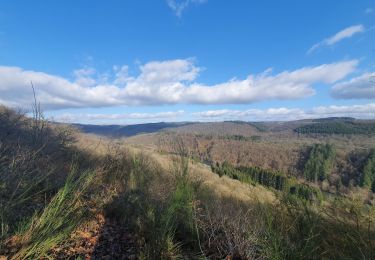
x=274 y=114
x=178 y=6
x=121 y=75
x=69 y=118
x=84 y=76
x=161 y=82
x=286 y=85
x=341 y=35
x=362 y=87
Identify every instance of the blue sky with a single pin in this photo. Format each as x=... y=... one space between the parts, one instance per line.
x=124 y=62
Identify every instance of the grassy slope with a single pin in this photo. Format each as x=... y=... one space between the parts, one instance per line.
x=225 y=186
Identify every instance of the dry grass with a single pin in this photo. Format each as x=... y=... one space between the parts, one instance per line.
x=222 y=186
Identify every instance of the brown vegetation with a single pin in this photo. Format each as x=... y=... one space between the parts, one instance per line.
x=73 y=195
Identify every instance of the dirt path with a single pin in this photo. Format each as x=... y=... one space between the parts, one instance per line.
x=101 y=238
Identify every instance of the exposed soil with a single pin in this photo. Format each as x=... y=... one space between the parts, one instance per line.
x=101 y=238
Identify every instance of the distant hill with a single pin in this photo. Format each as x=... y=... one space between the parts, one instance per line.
x=237 y=128
x=335 y=119
x=331 y=125
x=126 y=130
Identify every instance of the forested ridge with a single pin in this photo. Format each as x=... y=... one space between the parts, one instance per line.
x=338 y=127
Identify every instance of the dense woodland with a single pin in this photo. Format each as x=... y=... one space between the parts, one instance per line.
x=338 y=127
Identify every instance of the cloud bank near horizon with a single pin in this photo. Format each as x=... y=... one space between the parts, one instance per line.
x=162 y=83
x=365 y=111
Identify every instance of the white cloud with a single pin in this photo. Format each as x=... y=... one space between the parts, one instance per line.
x=161 y=82
x=74 y=118
x=286 y=85
x=253 y=114
x=219 y=113
x=178 y=6
x=343 y=34
x=363 y=111
x=169 y=71
x=362 y=87
x=84 y=76
x=121 y=75
x=358 y=111
x=281 y=114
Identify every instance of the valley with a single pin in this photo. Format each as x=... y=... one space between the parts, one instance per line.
x=191 y=190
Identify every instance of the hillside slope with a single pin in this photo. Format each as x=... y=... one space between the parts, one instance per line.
x=126 y=130
x=69 y=195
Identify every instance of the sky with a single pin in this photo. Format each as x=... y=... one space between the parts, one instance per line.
x=137 y=61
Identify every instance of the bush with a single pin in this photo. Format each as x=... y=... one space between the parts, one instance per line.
x=306 y=192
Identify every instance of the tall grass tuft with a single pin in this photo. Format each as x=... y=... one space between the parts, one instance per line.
x=65 y=212
x=33 y=163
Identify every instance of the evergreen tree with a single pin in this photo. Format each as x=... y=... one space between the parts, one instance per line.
x=320 y=162
x=368 y=174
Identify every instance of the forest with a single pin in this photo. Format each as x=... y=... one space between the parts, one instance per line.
x=340 y=127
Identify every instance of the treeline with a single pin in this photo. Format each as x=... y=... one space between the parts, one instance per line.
x=320 y=162
x=251 y=175
x=317 y=168
x=337 y=127
x=336 y=119
x=271 y=179
x=261 y=127
x=368 y=173
x=253 y=138
x=268 y=178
